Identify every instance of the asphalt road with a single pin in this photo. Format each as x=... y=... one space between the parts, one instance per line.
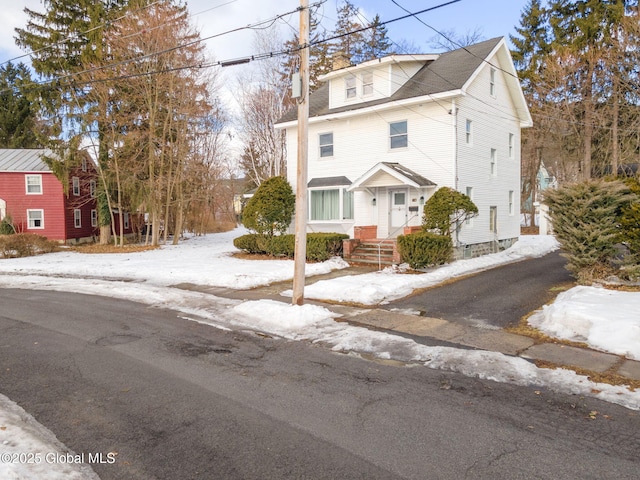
x=181 y=400
x=497 y=297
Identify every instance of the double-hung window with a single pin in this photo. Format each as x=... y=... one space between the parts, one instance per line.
x=35 y=219
x=331 y=204
x=367 y=84
x=77 y=218
x=76 y=186
x=34 y=184
x=94 y=218
x=398 y=137
x=511 y=203
x=92 y=188
x=350 y=87
x=326 y=144
x=468 y=132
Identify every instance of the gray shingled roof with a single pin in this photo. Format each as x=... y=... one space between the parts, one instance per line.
x=328 y=182
x=450 y=71
x=23 y=160
x=410 y=174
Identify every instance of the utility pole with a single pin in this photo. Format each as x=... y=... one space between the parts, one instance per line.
x=300 y=252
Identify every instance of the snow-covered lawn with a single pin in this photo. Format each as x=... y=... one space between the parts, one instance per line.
x=606 y=320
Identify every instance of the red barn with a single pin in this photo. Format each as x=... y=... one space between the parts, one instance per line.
x=36 y=201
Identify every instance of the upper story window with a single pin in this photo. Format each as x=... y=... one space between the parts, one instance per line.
x=492 y=82
x=398 y=137
x=92 y=188
x=367 y=84
x=84 y=164
x=494 y=162
x=326 y=144
x=34 y=184
x=350 y=87
x=511 y=145
x=467 y=132
x=76 y=186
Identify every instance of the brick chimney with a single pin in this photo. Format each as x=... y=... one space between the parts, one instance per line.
x=340 y=60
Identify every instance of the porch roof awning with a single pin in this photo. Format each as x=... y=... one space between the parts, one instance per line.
x=387 y=174
x=329 y=182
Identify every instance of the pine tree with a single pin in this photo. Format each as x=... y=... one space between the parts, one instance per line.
x=376 y=42
x=348 y=30
x=18 y=115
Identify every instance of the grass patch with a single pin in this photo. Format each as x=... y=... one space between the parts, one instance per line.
x=95 y=248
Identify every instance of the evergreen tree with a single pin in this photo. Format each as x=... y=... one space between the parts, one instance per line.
x=446 y=210
x=376 y=42
x=349 y=37
x=586 y=221
x=18 y=115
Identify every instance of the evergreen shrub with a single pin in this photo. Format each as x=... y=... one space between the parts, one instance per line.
x=6 y=226
x=586 y=220
x=425 y=249
x=320 y=246
x=270 y=209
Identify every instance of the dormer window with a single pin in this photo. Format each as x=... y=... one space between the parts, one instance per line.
x=367 y=84
x=350 y=86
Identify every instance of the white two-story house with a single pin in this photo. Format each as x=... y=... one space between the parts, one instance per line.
x=386 y=134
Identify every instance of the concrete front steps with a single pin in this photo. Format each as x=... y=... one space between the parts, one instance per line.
x=374 y=252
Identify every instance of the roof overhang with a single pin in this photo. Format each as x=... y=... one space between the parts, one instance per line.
x=420 y=58
x=376 y=108
x=392 y=174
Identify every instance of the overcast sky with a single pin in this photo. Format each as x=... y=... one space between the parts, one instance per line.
x=492 y=17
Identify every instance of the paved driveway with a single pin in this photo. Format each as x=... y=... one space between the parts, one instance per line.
x=494 y=298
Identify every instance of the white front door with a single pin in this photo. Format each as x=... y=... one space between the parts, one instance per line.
x=398 y=201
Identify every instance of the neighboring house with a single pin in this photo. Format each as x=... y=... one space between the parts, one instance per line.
x=37 y=202
x=386 y=134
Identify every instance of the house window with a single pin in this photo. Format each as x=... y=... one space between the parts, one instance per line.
x=76 y=186
x=494 y=162
x=35 y=219
x=34 y=184
x=493 y=219
x=326 y=144
x=511 y=204
x=84 y=164
x=94 y=218
x=350 y=86
x=492 y=82
x=367 y=84
x=92 y=188
x=126 y=220
x=331 y=204
x=77 y=218
x=469 y=193
x=511 y=145
x=468 y=137
x=398 y=134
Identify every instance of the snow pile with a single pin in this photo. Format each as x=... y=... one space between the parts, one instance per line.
x=606 y=320
x=29 y=450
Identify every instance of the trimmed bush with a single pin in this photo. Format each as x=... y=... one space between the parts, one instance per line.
x=25 y=245
x=320 y=246
x=270 y=209
x=248 y=243
x=425 y=249
x=446 y=210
